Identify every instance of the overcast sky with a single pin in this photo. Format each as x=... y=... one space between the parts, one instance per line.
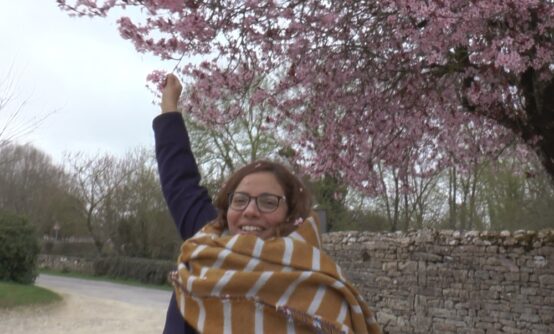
x=84 y=71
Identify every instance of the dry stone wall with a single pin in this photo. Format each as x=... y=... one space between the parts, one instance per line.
x=431 y=281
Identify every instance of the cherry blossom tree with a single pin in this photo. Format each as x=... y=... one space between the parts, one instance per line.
x=359 y=83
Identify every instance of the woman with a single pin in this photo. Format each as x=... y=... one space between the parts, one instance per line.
x=256 y=267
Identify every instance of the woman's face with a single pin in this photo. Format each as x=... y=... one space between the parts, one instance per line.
x=251 y=220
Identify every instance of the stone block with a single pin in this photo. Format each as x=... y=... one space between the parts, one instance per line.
x=390 y=266
x=442 y=313
x=532 y=318
x=385 y=316
x=541 y=329
x=471 y=331
x=397 y=304
x=509 y=242
x=511 y=330
x=538 y=262
x=426 y=257
x=547 y=315
x=407 y=266
x=420 y=303
x=486 y=325
x=505 y=234
x=450 y=293
x=511 y=277
x=422 y=323
x=537 y=300
x=448 y=326
x=492 y=249
x=528 y=291
x=502 y=307
x=383 y=281
x=546 y=280
x=482 y=275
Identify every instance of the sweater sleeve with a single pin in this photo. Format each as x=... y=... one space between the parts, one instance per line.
x=189 y=203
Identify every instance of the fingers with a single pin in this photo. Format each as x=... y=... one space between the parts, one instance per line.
x=171 y=83
x=171 y=92
x=170 y=80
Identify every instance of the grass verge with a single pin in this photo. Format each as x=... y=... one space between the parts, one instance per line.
x=13 y=295
x=107 y=279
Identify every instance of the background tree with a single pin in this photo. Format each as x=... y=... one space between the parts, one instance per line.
x=31 y=185
x=95 y=179
x=14 y=123
x=135 y=212
x=330 y=195
x=407 y=200
x=222 y=145
x=515 y=194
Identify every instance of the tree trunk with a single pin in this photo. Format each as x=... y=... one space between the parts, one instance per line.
x=452 y=193
x=537 y=129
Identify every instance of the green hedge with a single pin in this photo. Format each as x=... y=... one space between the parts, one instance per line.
x=19 y=248
x=144 y=270
x=69 y=248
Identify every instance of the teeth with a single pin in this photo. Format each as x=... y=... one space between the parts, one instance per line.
x=249 y=228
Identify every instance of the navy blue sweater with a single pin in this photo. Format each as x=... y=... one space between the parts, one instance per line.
x=189 y=203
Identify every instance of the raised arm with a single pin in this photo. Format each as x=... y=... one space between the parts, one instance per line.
x=189 y=203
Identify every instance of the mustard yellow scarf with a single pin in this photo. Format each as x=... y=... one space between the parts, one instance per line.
x=243 y=284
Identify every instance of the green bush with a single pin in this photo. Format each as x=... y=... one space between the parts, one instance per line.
x=19 y=249
x=144 y=270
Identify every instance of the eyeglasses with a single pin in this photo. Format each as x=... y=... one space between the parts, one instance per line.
x=266 y=203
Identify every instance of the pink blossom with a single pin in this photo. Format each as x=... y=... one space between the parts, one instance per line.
x=409 y=85
x=157 y=78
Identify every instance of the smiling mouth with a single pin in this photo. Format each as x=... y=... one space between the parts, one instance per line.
x=250 y=229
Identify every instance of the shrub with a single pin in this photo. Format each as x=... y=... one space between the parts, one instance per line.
x=19 y=248
x=69 y=248
x=144 y=270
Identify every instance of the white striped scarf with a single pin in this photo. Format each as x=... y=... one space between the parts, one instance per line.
x=243 y=284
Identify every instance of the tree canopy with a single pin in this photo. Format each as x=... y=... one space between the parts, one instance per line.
x=409 y=84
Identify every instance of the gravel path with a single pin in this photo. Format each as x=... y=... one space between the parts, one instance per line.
x=90 y=307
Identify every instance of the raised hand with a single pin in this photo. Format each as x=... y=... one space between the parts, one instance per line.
x=171 y=93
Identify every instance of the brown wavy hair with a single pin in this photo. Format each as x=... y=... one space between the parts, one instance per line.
x=298 y=197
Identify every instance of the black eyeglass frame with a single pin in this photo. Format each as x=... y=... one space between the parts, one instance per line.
x=231 y=195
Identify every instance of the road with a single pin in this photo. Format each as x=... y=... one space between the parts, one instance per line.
x=90 y=307
x=138 y=296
